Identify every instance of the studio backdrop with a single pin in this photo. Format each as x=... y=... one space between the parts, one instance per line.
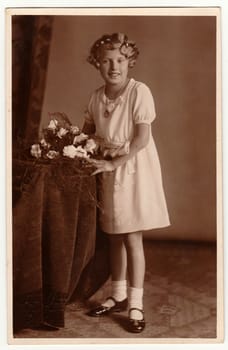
x=178 y=62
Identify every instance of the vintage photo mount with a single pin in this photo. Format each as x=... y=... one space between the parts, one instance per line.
x=207 y=11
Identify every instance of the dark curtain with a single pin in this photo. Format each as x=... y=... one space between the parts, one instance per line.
x=31 y=38
x=58 y=253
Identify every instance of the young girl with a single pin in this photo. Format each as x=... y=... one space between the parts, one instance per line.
x=130 y=190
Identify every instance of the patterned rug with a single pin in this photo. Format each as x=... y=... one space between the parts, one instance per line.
x=179 y=298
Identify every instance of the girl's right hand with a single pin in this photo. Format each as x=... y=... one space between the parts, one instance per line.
x=115 y=152
x=102 y=166
x=108 y=154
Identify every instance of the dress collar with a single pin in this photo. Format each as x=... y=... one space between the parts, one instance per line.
x=118 y=99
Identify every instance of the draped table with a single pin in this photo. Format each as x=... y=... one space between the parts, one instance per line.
x=59 y=255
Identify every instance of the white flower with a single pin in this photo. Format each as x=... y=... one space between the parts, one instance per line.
x=80 y=138
x=72 y=152
x=44 y=143
x=81 y=152
x=36 y=150
x=62 y=132
x=52 y=124
x=52 y=154
x=69 y=151
x=74 y=129
x=90 y=146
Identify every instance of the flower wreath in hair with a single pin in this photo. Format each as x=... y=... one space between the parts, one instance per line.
x=110 y=42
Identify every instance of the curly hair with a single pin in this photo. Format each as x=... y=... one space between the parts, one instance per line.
x=110 y=42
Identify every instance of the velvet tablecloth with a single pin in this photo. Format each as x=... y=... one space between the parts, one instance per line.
x=58 y=253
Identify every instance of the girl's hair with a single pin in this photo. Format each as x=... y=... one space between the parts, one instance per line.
x=110 y=42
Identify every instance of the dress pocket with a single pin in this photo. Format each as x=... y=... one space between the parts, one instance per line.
x=125 y=175
x=131 y=165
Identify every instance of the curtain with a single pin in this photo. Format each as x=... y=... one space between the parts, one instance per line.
x=31 y=39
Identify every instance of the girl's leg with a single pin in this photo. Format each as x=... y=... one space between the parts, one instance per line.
x=136 y=259
x=118 y=257
x=136 y=270
x=118 y=261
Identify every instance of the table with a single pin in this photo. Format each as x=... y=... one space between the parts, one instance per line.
x=59 y=255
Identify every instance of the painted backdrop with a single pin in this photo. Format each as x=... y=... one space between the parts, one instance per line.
x=178 y=62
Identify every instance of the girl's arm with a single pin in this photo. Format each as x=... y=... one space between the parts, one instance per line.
x=140 y=140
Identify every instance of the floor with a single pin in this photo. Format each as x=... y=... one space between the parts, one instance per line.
x=179 y=299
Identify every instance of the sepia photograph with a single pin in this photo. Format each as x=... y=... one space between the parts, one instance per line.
x=114 y=175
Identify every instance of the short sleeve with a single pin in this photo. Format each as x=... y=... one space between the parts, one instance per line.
x=88 y=114
x=143 y=105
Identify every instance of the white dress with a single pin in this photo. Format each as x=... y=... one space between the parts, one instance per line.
x=132 y=197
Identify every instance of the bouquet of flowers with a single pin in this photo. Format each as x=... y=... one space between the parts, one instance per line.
x=60 y=139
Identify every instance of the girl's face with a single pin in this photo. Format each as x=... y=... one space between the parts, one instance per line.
x=114 y=67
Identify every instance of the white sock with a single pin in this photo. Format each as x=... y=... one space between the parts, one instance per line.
x=119 y=292
x=136 y=300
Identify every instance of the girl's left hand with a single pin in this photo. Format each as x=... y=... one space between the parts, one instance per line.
x=102 y=166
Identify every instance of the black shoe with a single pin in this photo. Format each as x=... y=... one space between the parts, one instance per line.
x=136 y=326
x=102 y=310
